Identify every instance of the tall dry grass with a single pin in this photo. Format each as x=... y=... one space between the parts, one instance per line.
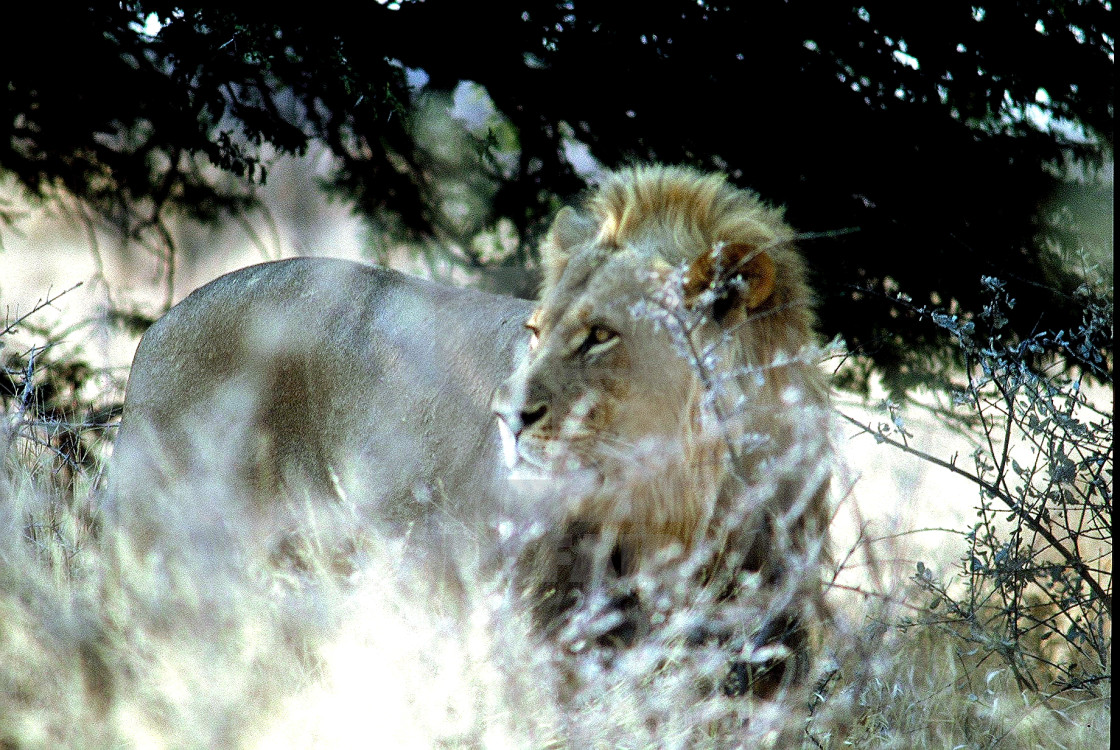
x=353 y=639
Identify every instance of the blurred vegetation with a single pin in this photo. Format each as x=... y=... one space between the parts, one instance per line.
x=458 y=128
x=959 y=139
x=212 y=643
x=58 y=413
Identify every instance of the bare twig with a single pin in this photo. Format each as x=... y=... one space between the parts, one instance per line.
x=1069 y=556
x=10 y=328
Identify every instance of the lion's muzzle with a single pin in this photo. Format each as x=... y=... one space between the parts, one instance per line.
x=515 y=415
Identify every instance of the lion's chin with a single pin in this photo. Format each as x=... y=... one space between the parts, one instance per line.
x=565 y=474
x=537 y=474
x=540 y=480
x=528 y=458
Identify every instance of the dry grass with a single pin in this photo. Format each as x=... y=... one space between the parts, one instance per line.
x=354 y=638
x=210 y=644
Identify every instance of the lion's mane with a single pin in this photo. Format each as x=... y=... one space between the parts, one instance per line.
x=749 y=486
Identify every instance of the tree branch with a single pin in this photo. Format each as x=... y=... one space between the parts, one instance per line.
x=1071 y=559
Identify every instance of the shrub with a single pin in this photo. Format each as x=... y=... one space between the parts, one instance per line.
x=58 y=412
x=1035 y=583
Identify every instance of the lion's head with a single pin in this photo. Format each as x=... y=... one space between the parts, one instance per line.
x=673 y=318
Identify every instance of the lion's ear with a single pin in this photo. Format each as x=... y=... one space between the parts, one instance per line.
x=568 y=230
x=740 y=275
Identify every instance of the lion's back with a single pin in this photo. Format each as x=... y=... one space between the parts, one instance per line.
x=323 y=374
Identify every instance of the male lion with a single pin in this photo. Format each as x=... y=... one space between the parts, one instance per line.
x=672 y=384
x=661 y=390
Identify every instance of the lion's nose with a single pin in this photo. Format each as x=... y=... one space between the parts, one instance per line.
x=516 y=411
x=531 y=415
x=517 y=420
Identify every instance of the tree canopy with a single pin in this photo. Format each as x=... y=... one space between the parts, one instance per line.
x=918 y=146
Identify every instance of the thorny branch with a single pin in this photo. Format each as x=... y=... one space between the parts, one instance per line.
x=1069 y=556
x=41 y=304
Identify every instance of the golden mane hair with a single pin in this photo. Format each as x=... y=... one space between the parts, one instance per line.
x=679 y=214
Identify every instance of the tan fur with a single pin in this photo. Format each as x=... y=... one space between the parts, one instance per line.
x=636 y=420
x=323 y=378
x=696 y=213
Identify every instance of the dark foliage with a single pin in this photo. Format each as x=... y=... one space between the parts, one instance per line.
x=901 y=121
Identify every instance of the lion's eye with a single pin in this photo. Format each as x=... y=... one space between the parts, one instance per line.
x=598 y=338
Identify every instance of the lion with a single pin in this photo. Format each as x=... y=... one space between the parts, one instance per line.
x=672 y=385
x=659 y=405
x=317 y=378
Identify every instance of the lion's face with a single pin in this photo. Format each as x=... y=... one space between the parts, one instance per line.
x=601 y=381
x=667 y=304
